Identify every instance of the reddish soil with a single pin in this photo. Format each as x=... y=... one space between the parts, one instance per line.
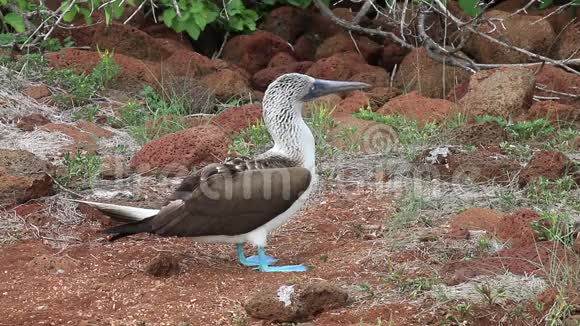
x=96 y=282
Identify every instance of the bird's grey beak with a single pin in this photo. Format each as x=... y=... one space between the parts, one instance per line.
x=322 y=87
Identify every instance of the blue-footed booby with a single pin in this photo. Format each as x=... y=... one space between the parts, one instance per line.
x=242 y=199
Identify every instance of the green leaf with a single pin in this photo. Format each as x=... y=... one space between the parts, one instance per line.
x=470 y=7
x=236 y=24
x=15 y=21
x=168 y=16
x=71 y=14
x=545 y=4
x=107 y=16
x=117 y=10
x=6 y=39
x=86 y=13
x=193 y=31
x=200 y=21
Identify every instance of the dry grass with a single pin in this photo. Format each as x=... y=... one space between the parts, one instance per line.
x=46 y=145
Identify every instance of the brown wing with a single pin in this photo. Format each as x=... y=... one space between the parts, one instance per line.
x=232 y=204
x=230 y=166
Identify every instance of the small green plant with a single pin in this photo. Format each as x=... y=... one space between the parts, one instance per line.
x=457 y=120
x=87 y=113
x=522 y=130
x=53 y=44
x=484 y=244
x=559 y=311
x=489 y=295
x=81 y=88
x=81 y=168
x=470 y=7
x=350 y=139
x=409 y=131
x=519 y=151
x=29 y=66
x=367 y=289
x=555 y=227
x=563 y=139
x=320 y=123
x=548 y=192
x=408 y=210
x=417 y=286
x=240 y=320
x=464 y=309
x=251 y=141
x=154 y=117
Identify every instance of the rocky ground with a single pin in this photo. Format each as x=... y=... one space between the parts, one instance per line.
x=451 y=198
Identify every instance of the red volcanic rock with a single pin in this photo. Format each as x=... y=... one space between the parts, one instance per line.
x=338 y=67
x=524 y=31
x=37 y=92
x=226 y=84
x=343 y=42
x=480 y=134
x=348 y=66
x=324 y=26
x=554 y=111
x=281 y=59
x=458 y=92
x=23 y=176
x=304 y=301
x=286 y=22
x=92 y=128
x=234 y=120
x=378 y=96
x=264 y=77
x=254 y=51
x=568 y=43
x=392 y=54
x=548 y=164
x=129 y=40
x=418 y=72
x=557 y=79
x=188 y=63
x=352 y=103
x=306 y=45
x=377 y=77
x=178 y=153
x=516 y=229
x=484 y=219
x=82 y=140
x=504 y=92
x=417 y=107
x=134 y=74
x=84 y=134
x=29 y=122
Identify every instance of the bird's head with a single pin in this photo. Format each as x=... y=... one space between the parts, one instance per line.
x=302 y=88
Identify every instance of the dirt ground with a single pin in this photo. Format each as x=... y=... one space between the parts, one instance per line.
x=96 y=282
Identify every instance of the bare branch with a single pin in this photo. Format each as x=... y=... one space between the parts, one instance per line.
x=560 y=63
x=551 y=91
x=357 y=28
x=524 y=8
x=59 y=19
x=362 y=12
x=436 y=51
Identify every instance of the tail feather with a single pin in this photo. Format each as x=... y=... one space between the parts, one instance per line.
x=124 y=230
x=121 y=212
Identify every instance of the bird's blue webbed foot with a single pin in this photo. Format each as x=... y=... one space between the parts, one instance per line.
x=252 y=260
x=263 y=265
